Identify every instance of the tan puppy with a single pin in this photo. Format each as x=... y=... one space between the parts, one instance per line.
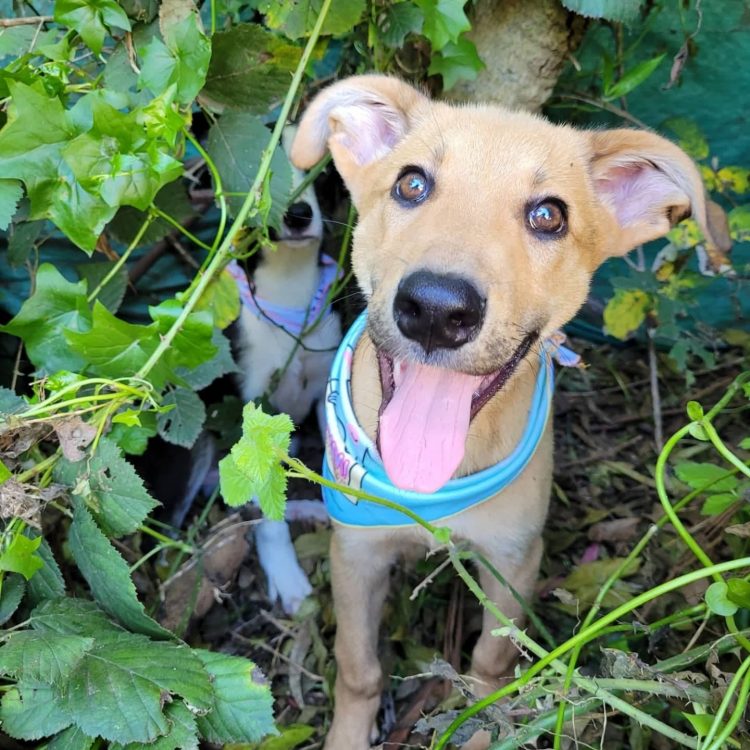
x=479 y=230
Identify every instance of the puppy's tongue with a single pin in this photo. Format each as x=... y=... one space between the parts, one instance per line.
x=422 y=430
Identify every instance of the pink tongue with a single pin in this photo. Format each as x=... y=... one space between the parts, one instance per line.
x=423 y=429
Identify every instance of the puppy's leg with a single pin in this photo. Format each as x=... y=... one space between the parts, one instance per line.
x=359 y=576
x=493 y=657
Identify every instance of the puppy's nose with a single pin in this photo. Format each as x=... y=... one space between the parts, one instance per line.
x=299 y=216
x=438 y=310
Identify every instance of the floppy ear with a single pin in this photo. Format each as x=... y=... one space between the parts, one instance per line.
x=359 y=119
x=648 y=184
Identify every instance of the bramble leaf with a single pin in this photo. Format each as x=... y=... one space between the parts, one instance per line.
x=108 y=575
x=243 y=706
x=41 y=656
x=31 y=710
x=111 y=487
x=182 y=424
x=183 y=732
x=141 y=676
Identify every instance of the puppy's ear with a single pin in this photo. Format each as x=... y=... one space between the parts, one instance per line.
x=647 y=183
x=359 y=119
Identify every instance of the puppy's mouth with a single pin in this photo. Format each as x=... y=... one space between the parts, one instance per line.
x=425 y=414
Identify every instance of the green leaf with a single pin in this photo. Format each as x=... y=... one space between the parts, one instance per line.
x=88 y=18
x=297 y=19
x=22 y=241
x=243 y=706
x=111 y=488
x=182 y=424
x=20 y=556
x=611 y=10
x=736 y=179
x=250 y=68
x=698 y=475
x=48 y=582
x=68 y=616
x=625 y=312
x=11 y=192
x=633 y=78
x=456 y=61
x=193 y=345
x=108 y=575
x=183 y=732
x=397 y=21
x=114 y=348
x=43 y=657
x=10 y=403
x=739 y=223
x=14 y=587
x=222 y=298
x=57 y=305
x=701 y=723
x=220 y=364
x=133 y=678
x=689 y=136
x=738 y=591
x=70 y=739
x=182 y=60
x=31 y=711
x=253 y=467
x=716 y=504
x=694 y=410
x=718 y=601
x=236 y=143
x=112 y=293
x=132 y=439
x=444 y=21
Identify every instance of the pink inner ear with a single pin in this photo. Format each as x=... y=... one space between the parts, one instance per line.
x=369 y=130
x=638 y=193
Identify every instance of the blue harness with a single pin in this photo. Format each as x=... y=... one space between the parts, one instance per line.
x=352 y=459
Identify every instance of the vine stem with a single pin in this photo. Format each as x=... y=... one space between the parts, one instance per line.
x=122 y=259
x=249 y=203
x=583 y=636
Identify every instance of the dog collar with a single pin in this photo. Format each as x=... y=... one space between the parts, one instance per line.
x=294 y=320
x=352 y=459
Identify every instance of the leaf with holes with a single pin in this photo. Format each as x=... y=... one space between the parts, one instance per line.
x=242 y=706
x=183 y=423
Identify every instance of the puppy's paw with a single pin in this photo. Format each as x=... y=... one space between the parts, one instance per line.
x=286 y=579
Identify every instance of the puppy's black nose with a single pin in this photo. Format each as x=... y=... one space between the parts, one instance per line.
x=299 y=216
x=438 y=310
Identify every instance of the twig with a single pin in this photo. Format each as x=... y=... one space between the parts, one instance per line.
x=6 y=23
x=653 y=368
x=429 y=579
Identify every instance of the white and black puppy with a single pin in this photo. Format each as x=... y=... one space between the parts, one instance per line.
x=286 y=337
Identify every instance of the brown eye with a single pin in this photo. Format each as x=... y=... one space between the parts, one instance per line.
x=412 y=186
x=548 y=217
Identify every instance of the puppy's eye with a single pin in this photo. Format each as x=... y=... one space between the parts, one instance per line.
x=412 y=186
x=548 y=217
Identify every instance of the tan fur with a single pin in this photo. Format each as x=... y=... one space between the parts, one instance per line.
x=487 y=164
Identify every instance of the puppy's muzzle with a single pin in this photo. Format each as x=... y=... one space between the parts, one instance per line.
x=438 y=310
